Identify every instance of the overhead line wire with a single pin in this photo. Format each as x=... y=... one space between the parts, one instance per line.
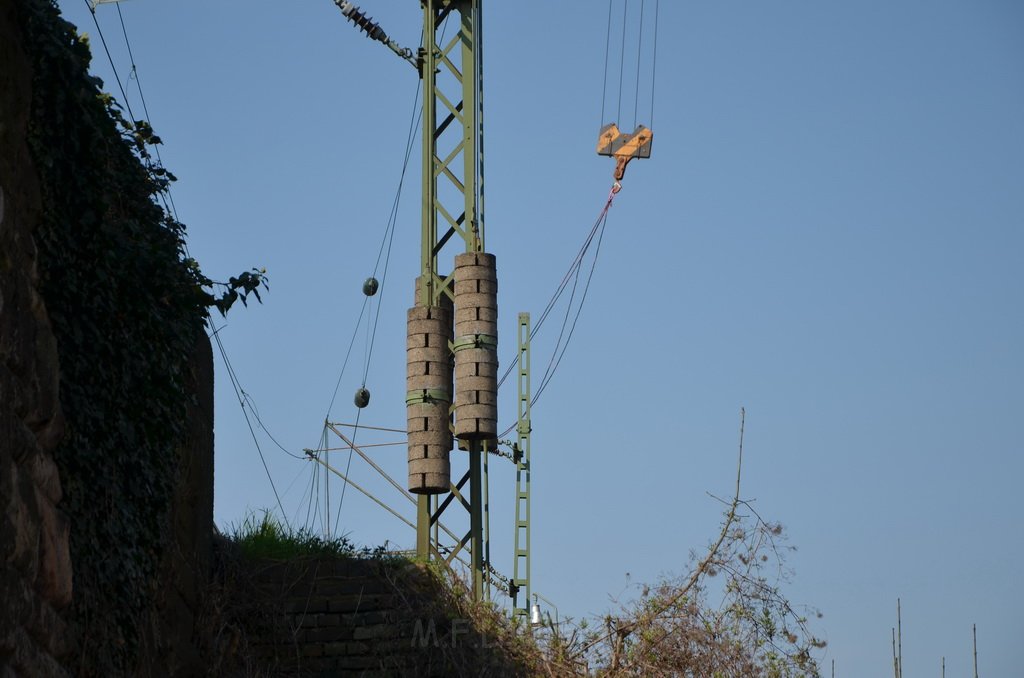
x=389 y=235
x=103 y=41
x=145 y=109
x=252 y=432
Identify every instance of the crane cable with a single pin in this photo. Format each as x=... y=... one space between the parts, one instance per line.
x=622 y=61
x=573 y=273
x=599 y=225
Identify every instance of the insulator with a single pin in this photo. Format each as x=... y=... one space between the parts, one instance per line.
x=475 y=346
x=428 y=398
x=370 y=286
x=362 y=398
x=363 y=22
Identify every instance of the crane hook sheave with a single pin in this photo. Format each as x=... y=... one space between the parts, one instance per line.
x=612 y=142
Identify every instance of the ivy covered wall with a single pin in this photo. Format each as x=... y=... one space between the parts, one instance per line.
x=127 y=308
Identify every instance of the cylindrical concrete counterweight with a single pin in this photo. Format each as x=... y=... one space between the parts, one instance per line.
x=475 y=346
x=428 y=397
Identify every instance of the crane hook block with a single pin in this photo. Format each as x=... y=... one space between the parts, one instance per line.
x=624 y=147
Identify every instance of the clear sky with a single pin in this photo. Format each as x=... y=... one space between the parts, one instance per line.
x=830 y=233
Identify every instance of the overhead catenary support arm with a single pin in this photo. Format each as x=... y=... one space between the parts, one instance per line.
x=373 y=30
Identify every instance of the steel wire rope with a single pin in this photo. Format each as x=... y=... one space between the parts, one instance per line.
x=256 y=415
x=172 y=208
x=552 y=368
x=389 y=235
x=639 y=50
x=654 y=60
x=559 y=290
x=169 y=200
x=565 y=321
x=252 y=432
x=622 y=60
x=393 y=217
x=604 y=81
x=103 y=40
x=598 y=227
x=579 y=309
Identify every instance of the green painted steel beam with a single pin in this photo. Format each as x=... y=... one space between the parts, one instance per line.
x=452 y=222
x=521 y=566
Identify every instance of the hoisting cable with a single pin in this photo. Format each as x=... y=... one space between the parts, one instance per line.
x=604 y=81
x=622 y=58
x=574 y=268
x=654 y=59
x=614 y=140
x=639 y=48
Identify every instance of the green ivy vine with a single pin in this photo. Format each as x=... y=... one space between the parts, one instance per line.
x=127 y=306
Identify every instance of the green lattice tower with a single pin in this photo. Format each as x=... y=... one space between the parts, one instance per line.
x=452 y=223
x=521 y=567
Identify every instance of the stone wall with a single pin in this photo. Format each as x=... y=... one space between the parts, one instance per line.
x=340 y=616
x=174 y=644
x=35 y=567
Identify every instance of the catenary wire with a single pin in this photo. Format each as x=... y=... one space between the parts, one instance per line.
x=389 y=237
x=252 y=432
x=103 y=40
x=145 y=109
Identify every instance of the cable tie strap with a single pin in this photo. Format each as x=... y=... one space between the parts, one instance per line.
x=427 y=396
x=475 y=341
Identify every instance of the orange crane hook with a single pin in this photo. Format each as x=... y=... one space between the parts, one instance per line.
x=623 y=147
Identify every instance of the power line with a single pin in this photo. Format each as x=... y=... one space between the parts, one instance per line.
x=103 y=40
x=145 y=109
x=389 y=235
x=252 y=432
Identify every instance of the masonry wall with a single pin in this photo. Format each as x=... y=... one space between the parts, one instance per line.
x=35 y=568
x=336 y=617
x=204 y=615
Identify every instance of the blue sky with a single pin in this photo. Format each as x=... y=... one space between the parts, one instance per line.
x=830 y=233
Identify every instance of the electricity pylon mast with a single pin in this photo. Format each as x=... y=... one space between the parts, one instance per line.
x=452 y=221
x=450 y=66
x=521 y=456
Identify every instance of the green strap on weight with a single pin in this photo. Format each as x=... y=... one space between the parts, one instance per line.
x=475 y=341
x=427 y=396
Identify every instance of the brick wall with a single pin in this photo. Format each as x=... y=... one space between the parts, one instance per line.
x=358 y=617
